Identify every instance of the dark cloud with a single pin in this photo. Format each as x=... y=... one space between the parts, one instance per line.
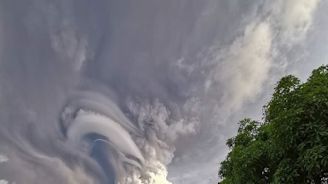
x=135 y=91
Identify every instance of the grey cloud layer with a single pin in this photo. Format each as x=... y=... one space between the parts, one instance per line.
x=115 y=91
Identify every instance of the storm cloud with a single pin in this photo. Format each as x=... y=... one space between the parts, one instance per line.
x=141 y=92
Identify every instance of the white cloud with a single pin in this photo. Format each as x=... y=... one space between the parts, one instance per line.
x=4 y=182
x=72 y=48
x=244 y=66
x=3 y=158
x=294 y=18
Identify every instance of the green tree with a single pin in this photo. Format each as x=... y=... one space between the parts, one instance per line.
x=290 y=146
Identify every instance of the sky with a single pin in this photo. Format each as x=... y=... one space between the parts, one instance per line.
x=142 y=91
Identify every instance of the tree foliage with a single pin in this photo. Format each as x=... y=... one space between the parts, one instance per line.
x=290 y=146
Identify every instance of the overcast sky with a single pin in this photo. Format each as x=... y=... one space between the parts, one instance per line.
x=142 y=91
